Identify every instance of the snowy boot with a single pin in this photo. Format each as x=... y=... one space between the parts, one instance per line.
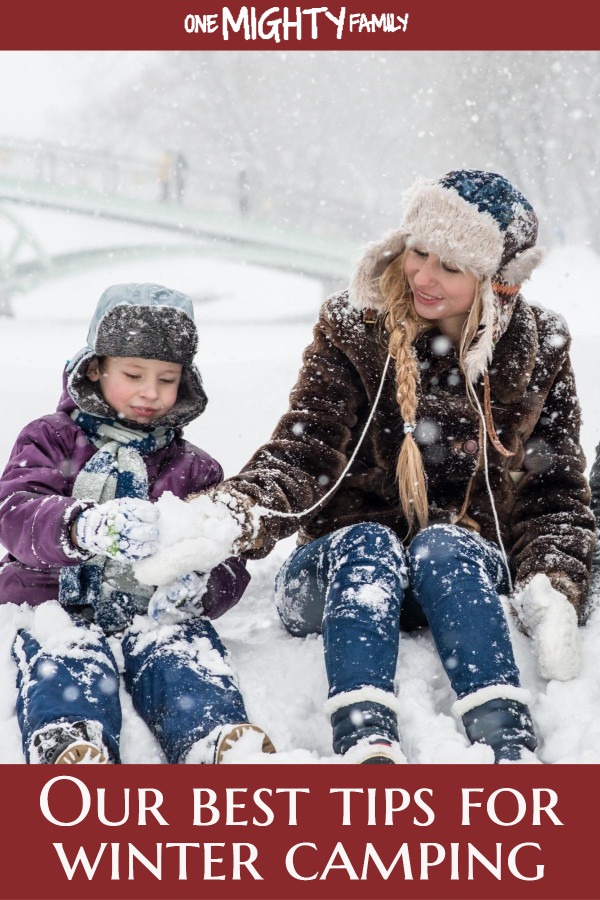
x=367 y=732
x=70 y=743
x=229 y=744
x=232 y=737
x=504 y=725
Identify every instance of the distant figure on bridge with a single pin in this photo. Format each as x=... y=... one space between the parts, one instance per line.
x=83 y=484
x=180 y=167
x=165 y=171
x=243 y=192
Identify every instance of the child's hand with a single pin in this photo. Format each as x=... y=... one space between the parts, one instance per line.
x=183 y=595
x=124 y=530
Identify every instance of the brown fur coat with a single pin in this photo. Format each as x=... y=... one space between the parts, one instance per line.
x=545 y=518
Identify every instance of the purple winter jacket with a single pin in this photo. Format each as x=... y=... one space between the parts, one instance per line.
x=37 y=509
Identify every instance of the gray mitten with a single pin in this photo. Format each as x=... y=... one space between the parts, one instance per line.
x=183 y=595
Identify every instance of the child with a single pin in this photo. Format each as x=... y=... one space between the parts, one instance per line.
x=74 y=515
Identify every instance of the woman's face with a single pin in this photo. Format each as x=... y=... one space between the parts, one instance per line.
x=441 y=293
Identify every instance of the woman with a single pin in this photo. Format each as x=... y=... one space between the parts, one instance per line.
x=431 y=456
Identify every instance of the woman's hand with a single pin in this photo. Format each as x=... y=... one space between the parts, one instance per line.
x=551 y=622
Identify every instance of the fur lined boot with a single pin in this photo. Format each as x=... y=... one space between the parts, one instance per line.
x=504 y=725
x=367 y=732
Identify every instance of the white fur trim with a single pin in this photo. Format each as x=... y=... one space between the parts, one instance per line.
x=440 y=220
x=492 y=692
x=519 y=268
x=480 y=354
x=364 y=285
x=362 y=695
x=444 y=223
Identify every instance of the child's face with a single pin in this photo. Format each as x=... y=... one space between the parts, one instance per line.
x=137 y=389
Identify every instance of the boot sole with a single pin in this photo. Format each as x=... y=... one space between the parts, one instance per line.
x=81 y=752
x=232 y=735
x=377 y=758
x=379 y=754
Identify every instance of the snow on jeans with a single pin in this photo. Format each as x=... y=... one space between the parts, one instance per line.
x=178 y=677
x=358 y=586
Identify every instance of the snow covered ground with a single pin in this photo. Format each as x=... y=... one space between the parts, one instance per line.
x=253 y=325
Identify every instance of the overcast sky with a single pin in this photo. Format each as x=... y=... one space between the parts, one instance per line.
x=39 y=86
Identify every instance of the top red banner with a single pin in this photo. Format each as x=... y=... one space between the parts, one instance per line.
x=355 y=25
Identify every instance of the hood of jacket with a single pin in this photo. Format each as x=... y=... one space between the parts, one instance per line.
x=139 y=320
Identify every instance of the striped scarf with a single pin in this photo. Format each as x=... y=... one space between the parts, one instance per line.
x=116 y=470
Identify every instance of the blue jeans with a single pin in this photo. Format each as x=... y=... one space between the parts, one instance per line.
x=359 y=586
x=177 y=675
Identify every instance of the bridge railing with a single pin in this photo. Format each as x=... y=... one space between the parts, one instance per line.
x=239 y=192
x=58 y=164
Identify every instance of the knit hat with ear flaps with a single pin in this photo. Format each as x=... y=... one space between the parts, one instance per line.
x=145 y=321
x=475 y=220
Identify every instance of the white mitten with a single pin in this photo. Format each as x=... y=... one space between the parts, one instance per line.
x=181 y=597
x=125 y=529
x=551 y=622
x=195 y=536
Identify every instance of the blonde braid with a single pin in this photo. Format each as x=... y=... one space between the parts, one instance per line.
x=471 y=327
x=403 y=326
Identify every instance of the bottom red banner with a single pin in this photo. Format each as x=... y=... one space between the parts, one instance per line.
x=297 y=831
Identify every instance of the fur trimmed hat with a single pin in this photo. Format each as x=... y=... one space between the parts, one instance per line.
x=475 y=220
x=145 y=321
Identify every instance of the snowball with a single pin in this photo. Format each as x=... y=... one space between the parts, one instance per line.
x=195 y=536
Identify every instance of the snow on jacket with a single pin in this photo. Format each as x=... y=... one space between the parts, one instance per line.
x=37 y=509
x=540 y=493
x=595 y=485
